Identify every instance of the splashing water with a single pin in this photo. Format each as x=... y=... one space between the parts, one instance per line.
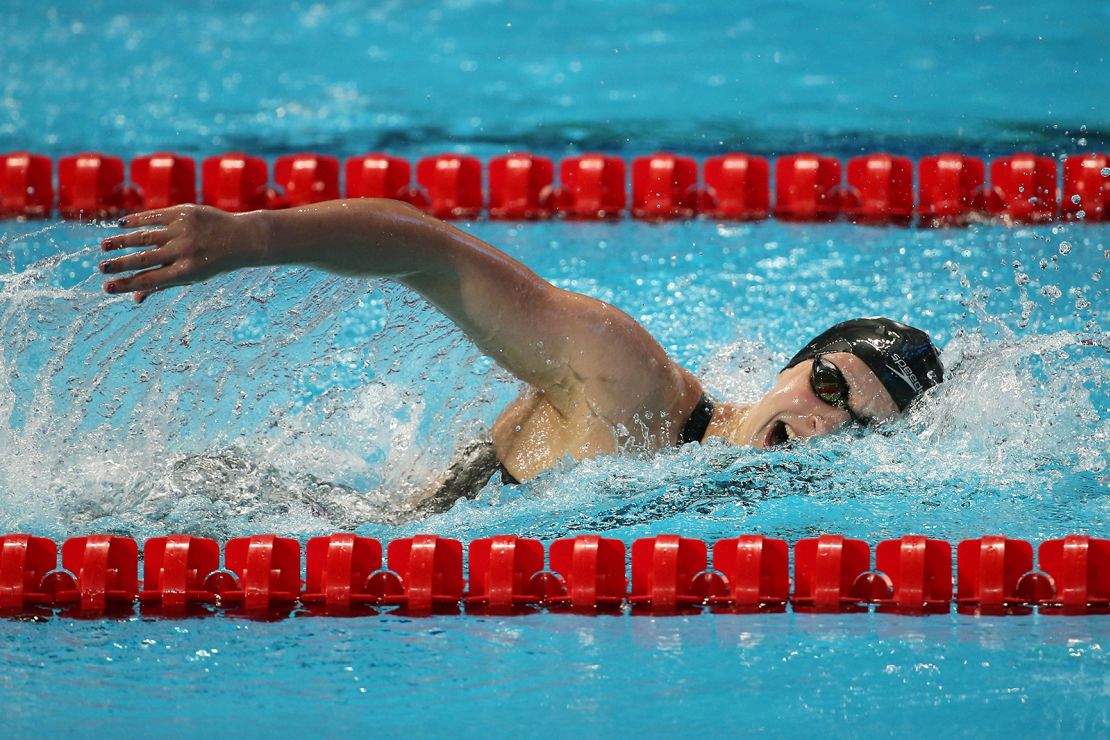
x=270 y=399
x=297 y=402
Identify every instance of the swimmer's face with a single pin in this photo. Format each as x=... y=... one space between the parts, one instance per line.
x=792 y=408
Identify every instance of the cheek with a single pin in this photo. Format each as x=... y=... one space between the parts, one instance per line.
x=790 y=395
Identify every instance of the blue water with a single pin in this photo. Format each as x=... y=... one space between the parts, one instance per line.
x=294 y=402
x=351 y=76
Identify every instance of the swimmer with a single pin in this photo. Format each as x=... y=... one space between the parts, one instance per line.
x=596 y=381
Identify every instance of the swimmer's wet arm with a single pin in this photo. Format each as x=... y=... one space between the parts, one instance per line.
x=571 y=346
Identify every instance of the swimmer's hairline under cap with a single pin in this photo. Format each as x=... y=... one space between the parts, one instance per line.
x=903 y=358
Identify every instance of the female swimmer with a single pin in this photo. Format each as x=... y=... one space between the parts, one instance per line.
x=596 y=380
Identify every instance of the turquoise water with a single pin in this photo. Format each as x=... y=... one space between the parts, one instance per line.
x=293 y=402
x=348 y=76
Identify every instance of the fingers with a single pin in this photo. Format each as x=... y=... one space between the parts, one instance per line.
x=144 y=282
x=157 y=217
x=143 y=238
x=139 y=260
x=162 y=267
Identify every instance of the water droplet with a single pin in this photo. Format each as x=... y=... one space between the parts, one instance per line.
x=1065 y=248
x=1051 y=292
x=1105 y=171
x=1076 y=199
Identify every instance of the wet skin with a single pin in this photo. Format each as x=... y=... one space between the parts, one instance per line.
x=596 y=381
x=791 y=409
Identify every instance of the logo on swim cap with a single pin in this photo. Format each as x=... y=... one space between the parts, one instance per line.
x=903 y=371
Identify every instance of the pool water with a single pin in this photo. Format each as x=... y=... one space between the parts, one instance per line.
x=294 y=402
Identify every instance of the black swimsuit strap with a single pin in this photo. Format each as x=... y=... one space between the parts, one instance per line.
x=694 y=430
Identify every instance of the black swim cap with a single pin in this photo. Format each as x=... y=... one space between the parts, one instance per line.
x=903 y=358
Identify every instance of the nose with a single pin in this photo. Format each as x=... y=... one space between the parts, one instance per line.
x=821 y=421
x=812 y=423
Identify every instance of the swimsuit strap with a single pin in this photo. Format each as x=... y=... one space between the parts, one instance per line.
x=694 y=430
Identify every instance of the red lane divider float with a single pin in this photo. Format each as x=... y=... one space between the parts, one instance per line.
x=91 y=185
x=1087 y=187
x=1022 y=189
x=454 y=185
x=24 y=563
x=665 y=187
x=830 y=574
x=880 y=190
x=952 y=189
x=947 y=187
x=237 y=182
x=995 y=576
x=806 y=188
x=737 y=188
x=339 y=568
x=669 y=574
x=1078 y=569
x=422 y=575
x=164 y=179
x=521 y=187
x=26 y=185
x=425 y=576
x=591 y=187
x=307 y=178
x=265 y=573
x=100 y=573
x=590 y=574
x=383 y=176
x=506 y=574
x=175 y=573
x=917 y=575
x=755 y=573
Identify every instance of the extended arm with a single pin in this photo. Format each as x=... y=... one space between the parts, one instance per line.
x=570 y=346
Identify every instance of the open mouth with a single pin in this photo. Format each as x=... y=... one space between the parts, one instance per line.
x=779 y=434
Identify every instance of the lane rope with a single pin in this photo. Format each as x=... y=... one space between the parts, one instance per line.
x=345 y=574
x=878 y=189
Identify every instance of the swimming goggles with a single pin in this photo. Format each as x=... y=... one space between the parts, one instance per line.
x=831 y=387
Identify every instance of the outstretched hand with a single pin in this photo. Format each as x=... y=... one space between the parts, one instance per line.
x=188 y=244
